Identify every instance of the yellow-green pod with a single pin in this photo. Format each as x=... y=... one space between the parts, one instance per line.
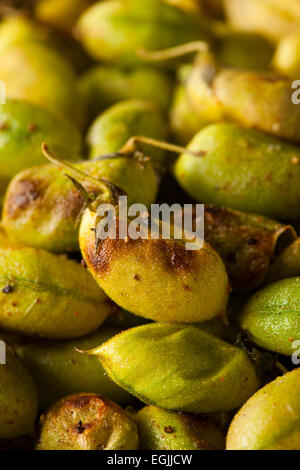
x=181 y=286
x=87 y=421
x=59 y=369
x=287 y=55
x=18 y=397
x=166 y=430
x=179 y=368
x=112 y=129
x=4 y=240
x=46 y=79
x=104 y=85
x=17 y=28
x=23 y=129
x=42 y=205
x=48 y=296
x=272 y=316
x=243 y=169
x=114 y=31
x=192 y=6
x=286 y=265
x=245 y=50
x=273 y=18
x=254 y=99
x=270 y=419
x=60 y=13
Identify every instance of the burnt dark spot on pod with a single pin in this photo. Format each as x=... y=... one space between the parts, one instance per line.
x=25 y=192
x=136 y=277
x=168 y=429
x=251 y=241
x=32 y=126
x=7 y=289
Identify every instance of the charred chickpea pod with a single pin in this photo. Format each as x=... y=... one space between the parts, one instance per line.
x=18 y=398
x=113 y=128
x=125 y=270
x=141 y=359
x=59 y=369
x=161 y=429
x=272 y=316
x=105 y=85
x=270 y=418
x=87 y=422
x=48 y=296
x=23 y=126
x=42 y=207
x=114 y=31
x=271 y=18
x=242 y=169
x=47 y=79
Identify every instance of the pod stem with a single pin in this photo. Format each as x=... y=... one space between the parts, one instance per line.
x=173 y=52
x=108 y=189
x=132 y=146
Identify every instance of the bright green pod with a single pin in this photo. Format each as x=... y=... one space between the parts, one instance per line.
x=59 y=369
x=42 y=205
x=286 y=265
x=87 y=421
x=182 y=286
x=245 y=50
x=270 y=419
x=166 y=430
x=287 y=55
x=179 y=368
x=247 y=243
x=60 y=13
x=272 y=316
x=23 y=129
x=242 y=169
x=18 y=398
x=46 y=79
x=273 y=18
x=112 y=129
x=254 y=99
x=104 y=85
x=115 y=31
x=48 y=296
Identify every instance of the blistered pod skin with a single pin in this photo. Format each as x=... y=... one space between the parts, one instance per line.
x=287 y=55
x=273 y=18
x=48 y=296
x=114 y=31
x=104 y=85
x=42 y=206
x=242 y=169
x=166 y=430
x=46 y=79
x=112 y=129
x=60 y=13
x=270 y=419
x=272 y=316
x=18 y=398
x=59 y=369
x=157 y=279
x=179 y=368
x=87 y=421
x=24 y=126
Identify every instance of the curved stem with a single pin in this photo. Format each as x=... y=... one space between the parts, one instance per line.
x=173 y=52
x=131 y=146
x=107 y=188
